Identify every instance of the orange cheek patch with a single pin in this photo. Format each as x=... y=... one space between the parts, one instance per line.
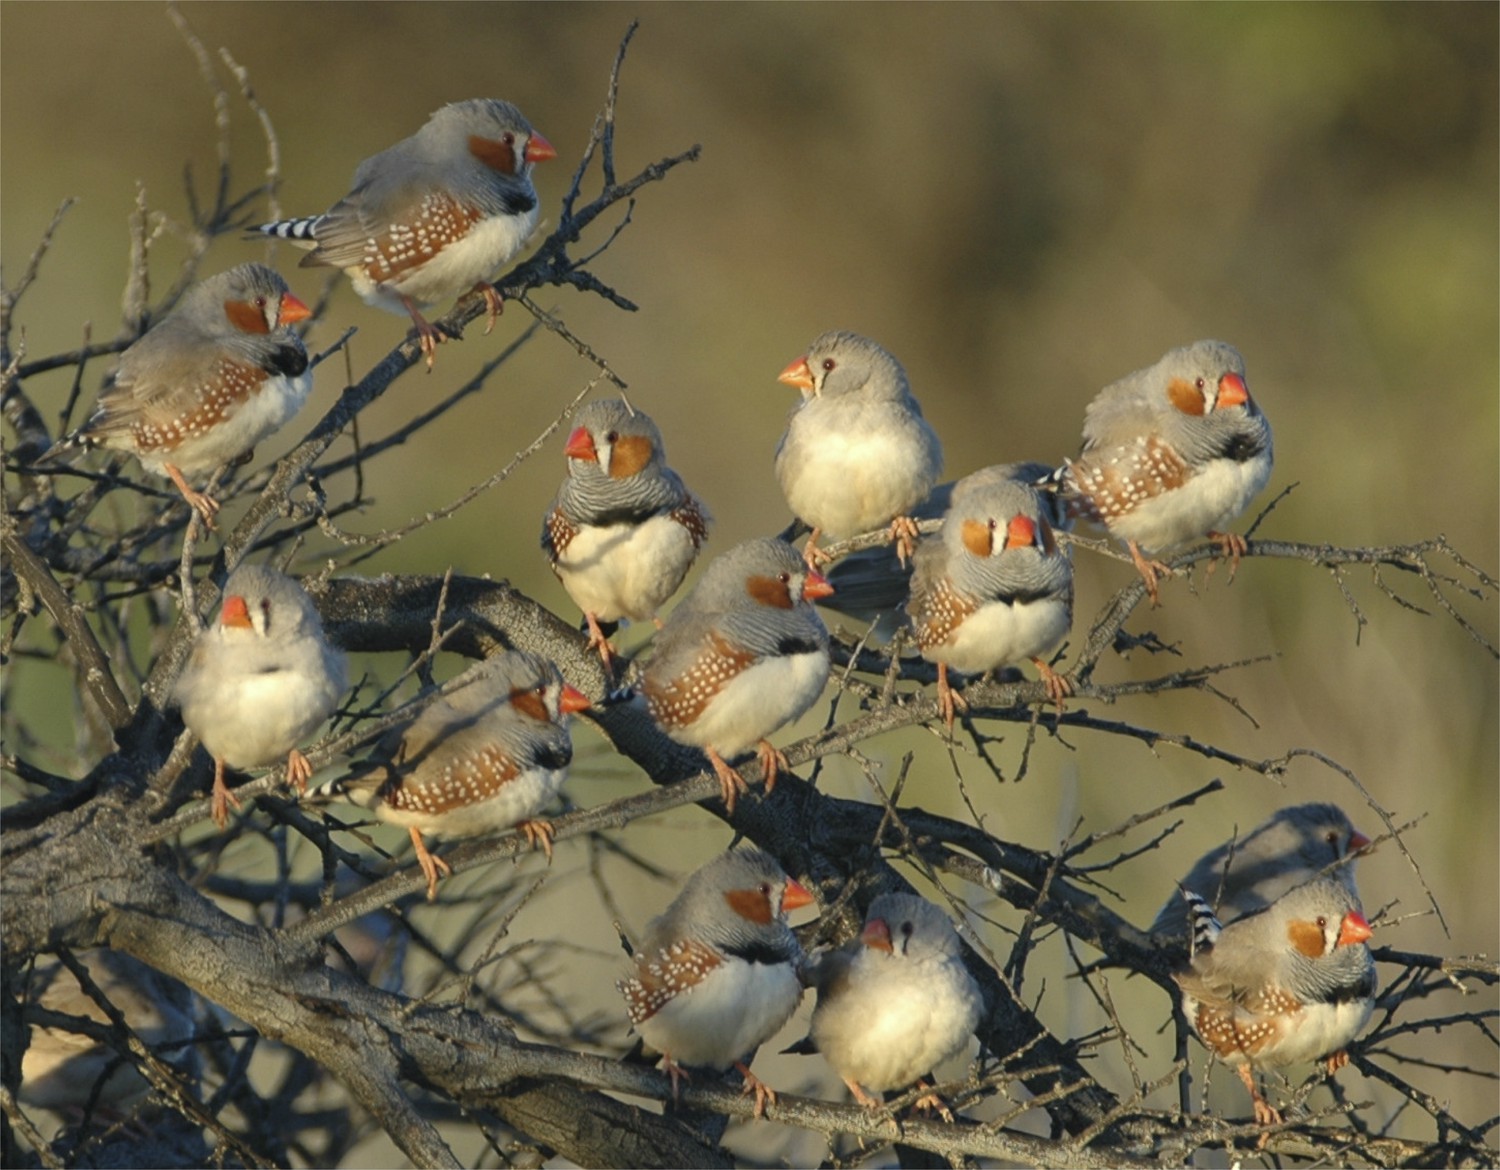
x=529 y=703
x=770 y=591
x=1307 y=937
x=245 y=317
x=751 y=905
x=498 y=156
x=1185 y=396
x=978 y=538
x=631 y=454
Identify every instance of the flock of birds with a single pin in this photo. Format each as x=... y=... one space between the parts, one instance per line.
x=1275 y=967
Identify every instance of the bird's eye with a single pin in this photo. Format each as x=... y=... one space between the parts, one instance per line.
x=612 y=436
x=265 y=609
x=906 y=929
x=509 y=139
x=994 y=524
x=1200 y=383
x=1322 y=922
x=765 y=889
x=784 y=578
x=829 y=365
x=1333 y=837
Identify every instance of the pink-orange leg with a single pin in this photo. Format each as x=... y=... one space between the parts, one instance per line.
x=812 y=554
x=205 y=505
x=771 y=764
x=298 y=771
x=540 y=834
x=430 y=862
x=1264 y=1113
x=904 y=535
x=861 y=1097
x=731 y=783
x=1059 y=686
x=494 y=304
x=675 y=1073
x=222 y=797
x=949 y=700
x=599 y=640
x=1232 y=546
x=764 y=1094
x=428 y=336
x=1336 y=1061
x=929 y=1101
x=1149 y=570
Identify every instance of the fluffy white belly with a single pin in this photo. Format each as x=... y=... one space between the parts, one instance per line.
x=519 y=799
x=733 y=1011
x=455 y=270
x=1210 y=501
x=845 y=485
x=996 y=634
x=885 y=1034
x=261 y=717
x=263 y=413
x=626 y=570
x=757 y=701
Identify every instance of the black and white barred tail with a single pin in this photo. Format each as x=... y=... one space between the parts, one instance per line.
x=301 y=230
x=1204 y=923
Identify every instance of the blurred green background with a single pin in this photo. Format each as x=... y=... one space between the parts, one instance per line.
x=1023 y=203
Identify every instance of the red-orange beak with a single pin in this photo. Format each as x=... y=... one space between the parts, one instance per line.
x=235 y=613
x=796 y=896
x=572 y=701
x=816 y=587
x=1232 y=392
x=1020 y=532
x=876 y=935
x=539 y=149
x=292 y=310
x=1354 y=929
x=581 y=445
x=798 y=374
x=1358 y=841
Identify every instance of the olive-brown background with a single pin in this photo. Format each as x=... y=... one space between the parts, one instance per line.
x=1022 y=202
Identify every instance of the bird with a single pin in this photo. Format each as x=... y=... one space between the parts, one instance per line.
x=857 y=453
x=895 y=1002
x=622 y=531
x=743 y=654
x=715 y=976
x=434 y=216
x=66 y=1070
x=486 y=756
x=206 y=383
x=1172 y=452
x=1293 y=846
x=259 y=680
x=1291 y=983
x=992 y=586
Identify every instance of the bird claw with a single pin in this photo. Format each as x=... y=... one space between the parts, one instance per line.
x=1150 y=572
x=1058 y=686
x=929 y=1102
x=731 y=783
x=430 y=862
x=1232 y=546
x=772 y=762
x=223 y=797
x=599 y=640
x=202 y=503
x=949 y=700
x=764 y=1094
x=298 y=771
x=676 y=1074
x=904 y=533
x=494 y=304
x=540 y=834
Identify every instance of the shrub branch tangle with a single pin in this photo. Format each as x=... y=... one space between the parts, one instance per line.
x=120 y=858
